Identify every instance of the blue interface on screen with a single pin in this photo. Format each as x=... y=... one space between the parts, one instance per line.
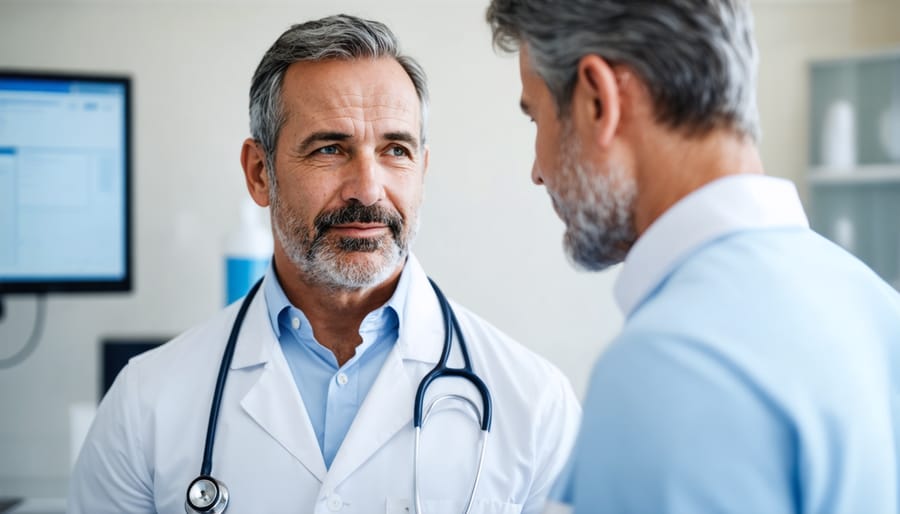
x=62 y=180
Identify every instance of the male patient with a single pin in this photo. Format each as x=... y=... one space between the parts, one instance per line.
x=758 y=370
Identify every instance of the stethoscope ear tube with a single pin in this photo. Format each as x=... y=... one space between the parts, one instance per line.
x=480 y=466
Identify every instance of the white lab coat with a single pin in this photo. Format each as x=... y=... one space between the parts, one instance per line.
x=146 y=443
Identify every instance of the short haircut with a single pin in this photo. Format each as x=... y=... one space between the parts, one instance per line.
x=696 y=57
x=335 y=37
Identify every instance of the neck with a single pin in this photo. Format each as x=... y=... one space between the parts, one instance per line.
x=672 y=166
x=335 y=314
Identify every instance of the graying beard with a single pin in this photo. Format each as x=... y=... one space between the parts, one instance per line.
x=597 y=209
x=321 y=264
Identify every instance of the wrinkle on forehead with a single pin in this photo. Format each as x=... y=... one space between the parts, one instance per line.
x=365 y=109
x=356 y=91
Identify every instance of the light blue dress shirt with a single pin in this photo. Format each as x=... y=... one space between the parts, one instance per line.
x=758 y=370
x=333 y=394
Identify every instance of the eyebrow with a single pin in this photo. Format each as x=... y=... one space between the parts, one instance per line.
x=318 y=137
x=403 y=137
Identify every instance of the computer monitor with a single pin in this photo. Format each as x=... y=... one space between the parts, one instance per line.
x=115 y=353
x=65 y=182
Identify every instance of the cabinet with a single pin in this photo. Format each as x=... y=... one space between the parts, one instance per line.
x=854 y=156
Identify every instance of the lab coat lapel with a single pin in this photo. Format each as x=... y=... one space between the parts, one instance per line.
x=388 y=407
x=273 y=401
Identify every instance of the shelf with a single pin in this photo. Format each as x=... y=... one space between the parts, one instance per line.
x=861 y=175
x=884 y=54
x=854 y=117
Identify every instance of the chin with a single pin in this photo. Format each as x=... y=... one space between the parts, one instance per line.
x=361 y=270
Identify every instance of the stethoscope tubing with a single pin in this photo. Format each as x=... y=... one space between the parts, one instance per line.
x=441 y=369
x=484 y=436
x=227 y=356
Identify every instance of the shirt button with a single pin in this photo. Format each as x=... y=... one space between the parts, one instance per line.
x=342 y=379
x=295 y=322
x=335 y=503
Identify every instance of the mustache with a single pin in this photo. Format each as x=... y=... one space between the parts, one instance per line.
x=359 y=213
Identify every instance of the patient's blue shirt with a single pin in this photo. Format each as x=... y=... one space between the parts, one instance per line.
x=758 y=370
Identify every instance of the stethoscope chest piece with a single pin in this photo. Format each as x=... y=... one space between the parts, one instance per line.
x=206 y=495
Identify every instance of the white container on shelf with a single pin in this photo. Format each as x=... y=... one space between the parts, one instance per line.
x=838 y=148
x=896 y=282
x=890 y=129
x=889 y=122
x=844 y=233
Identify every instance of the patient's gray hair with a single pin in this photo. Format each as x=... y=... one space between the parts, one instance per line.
x=696 y=57
x=335 y=37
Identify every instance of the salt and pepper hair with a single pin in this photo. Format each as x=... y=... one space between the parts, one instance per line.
x=341 y=37
x=696 y=57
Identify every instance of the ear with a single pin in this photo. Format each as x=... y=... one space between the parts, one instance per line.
x=426 y=155
x=597 y=100
x=253 y=160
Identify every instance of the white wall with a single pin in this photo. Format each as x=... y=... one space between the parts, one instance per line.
x=488 y=236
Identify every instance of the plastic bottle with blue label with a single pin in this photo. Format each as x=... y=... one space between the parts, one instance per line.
x=248 y=251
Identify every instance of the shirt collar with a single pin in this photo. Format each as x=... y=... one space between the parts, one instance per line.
x=724 y=206
x=277 y=301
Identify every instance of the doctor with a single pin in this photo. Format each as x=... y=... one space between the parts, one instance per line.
x=316 y=413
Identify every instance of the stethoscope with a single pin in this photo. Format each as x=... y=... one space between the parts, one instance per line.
x=207 y=495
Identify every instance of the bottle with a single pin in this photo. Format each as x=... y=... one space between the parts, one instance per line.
x=247 y=252
x=843 y=233
x=839 y=137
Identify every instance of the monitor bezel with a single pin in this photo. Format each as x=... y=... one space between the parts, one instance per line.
x=87 y=284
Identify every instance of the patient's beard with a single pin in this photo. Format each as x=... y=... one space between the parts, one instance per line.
x=596 y=203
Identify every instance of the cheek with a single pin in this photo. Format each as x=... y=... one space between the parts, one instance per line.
x=411 y=200
x=309 y=197
x=546 y=152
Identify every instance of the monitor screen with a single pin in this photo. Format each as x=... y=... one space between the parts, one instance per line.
x=65 y=159
x=115 y=353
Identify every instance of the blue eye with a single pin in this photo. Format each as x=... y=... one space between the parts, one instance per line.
x=328 y=150
x=398 y=151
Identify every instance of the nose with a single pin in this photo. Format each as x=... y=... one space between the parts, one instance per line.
x=364 y=183
x=536 y=174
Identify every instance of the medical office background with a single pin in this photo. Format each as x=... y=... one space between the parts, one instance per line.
x=488 y=236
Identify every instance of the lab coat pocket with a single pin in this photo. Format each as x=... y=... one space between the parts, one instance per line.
x=403 y=506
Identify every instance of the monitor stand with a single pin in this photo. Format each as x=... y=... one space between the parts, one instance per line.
x=8 y=503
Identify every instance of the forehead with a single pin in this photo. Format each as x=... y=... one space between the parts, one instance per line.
x=534 y=89
x=359 y=90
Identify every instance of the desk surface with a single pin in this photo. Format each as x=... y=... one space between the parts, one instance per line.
x=33 y=495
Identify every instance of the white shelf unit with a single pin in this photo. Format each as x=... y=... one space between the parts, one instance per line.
x=869 y=174
x=854 y=191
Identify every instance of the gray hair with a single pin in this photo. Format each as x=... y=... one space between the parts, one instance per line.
x=696 y=57
x=342 y=37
